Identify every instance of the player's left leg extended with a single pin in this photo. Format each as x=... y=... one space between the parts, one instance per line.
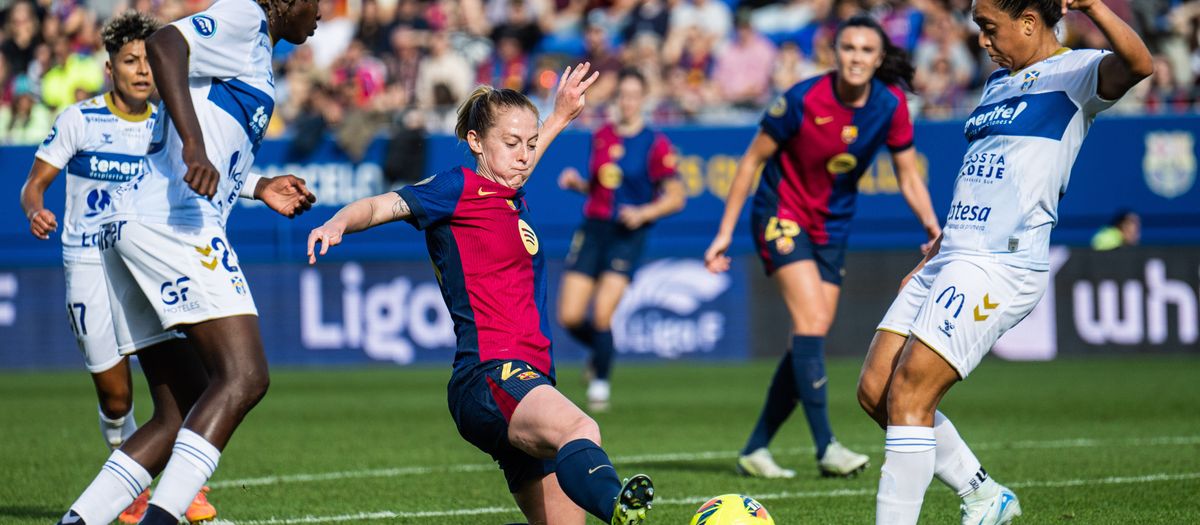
x=921 y=379
x=545 y=424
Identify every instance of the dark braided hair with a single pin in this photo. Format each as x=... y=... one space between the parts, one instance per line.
x=896 y=69
x=268 y=7
x=1049 y=10
x=126 y=28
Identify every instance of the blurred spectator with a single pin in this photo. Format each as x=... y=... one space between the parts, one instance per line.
x=508 y=67
x=71 y=77
x=333 y=36
x=791 y=66
x=443 y=67
x=25 y=121
x=742 y=74
x=21 y=38
x=785 y=18
x=1125 y=229
x=902 y=22
x=596 y=50
x=711 y=17
x=404 y=61
x=1163 y=94
x=647 y=17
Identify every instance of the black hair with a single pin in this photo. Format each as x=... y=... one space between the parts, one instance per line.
x=478 y=112
x=1049 y=10
x=633 y=73
x=896 y=69
x=126 y=28
x=1121 y=216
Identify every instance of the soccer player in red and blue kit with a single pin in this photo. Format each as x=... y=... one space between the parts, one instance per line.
x=492 y=273
x=817 y=139
x=632 y=184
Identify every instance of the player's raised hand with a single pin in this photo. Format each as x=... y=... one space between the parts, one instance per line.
x=328 y=234
x=1078 y=5
x=42 y=223
x=574 y=82
x=201 y=176
x=287 y=195
x=714 y=257
x=570 y=179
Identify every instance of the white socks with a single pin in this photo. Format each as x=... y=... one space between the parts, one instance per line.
x=909 y=457
x=957 y=466
x=116 y=431
x=118 y=484
x=192 y=462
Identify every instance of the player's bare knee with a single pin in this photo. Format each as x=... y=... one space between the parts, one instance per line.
x=870 y=394
x=602 y=322
x=569 y=319
x=583 y=427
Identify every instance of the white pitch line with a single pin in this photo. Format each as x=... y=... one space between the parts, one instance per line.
x=679 y=456
x=694 y=500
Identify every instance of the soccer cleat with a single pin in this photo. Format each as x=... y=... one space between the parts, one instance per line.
x=597 y=395
x=840 y=461
x=200 y=509
x=990 y=504
x=760 y=464
x=71 y=518
x=134 y=512
x=634 y=501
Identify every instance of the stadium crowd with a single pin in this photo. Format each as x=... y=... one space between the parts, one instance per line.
x=398 y=66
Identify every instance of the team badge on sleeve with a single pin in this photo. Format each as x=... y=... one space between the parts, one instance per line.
x=204 y=25
x=779 y=107
x=50 y=137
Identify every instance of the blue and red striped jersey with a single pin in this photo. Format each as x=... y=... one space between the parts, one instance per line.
x=489 y=265
x=824 y=147
x=626 y=171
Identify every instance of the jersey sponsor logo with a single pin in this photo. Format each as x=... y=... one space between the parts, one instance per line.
x=951 y=297
x=610 y=175
x=841 y=163
x=98 y=200
x=204 y=25
x=969 y=212
x=104 y=166
x=174 y=292
x=1043 y=115
x=987 y=166
x=1169 y=165
x=528 y=237
x=50 y=137
x=110 y=234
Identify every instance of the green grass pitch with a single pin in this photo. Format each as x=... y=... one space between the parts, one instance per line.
x=1108 y=440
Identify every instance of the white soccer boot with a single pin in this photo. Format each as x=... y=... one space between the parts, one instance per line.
x=840 y=461
x=990 y=504
x=760 y=464
x=597 y=395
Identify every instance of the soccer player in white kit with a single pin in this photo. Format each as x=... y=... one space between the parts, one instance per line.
x=168 y=263
x=990 y=266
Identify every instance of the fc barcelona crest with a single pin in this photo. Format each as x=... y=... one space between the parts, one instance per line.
x=849 y=134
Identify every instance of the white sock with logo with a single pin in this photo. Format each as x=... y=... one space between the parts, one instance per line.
x=956 y=465
x=193 y=461
x=909 y=457
x=115 y=431
x=120 y=481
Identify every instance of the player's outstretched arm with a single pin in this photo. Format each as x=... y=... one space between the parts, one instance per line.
x=1130 y=62
x=286 y=194
x=355 y=217
x=41 y=221
x=167 y=52
x=568 y=104
x=916 y=193
x=760 y=149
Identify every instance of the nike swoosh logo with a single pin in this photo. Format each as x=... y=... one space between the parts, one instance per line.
x=820 y=382
x=485 y=193
x=594 y=469
x=821 y=121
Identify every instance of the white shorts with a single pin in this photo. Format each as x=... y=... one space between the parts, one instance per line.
x=90 y=315
x=161 y=277
x=959 y=307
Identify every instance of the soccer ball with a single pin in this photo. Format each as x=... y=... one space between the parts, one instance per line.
x=732 y=509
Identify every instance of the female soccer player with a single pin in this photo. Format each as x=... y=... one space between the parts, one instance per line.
x=632 y=184
x=990 y=267
x=817 y=140
x=112 y=130
x=168 y=264
x=492 y=274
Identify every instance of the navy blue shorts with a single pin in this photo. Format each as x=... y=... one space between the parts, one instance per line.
x=777 y=249
x=482 y=400
x=606 y=246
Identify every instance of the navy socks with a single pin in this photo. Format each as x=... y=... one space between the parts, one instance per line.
x=800 y=376
x=602 y=354
x=588 y=477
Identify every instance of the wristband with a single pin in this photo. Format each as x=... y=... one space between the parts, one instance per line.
x=247 y=191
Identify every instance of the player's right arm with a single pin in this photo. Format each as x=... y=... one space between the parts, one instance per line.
x=41 y=221
x=355 y=217
x=167 y=51
x=761 y=148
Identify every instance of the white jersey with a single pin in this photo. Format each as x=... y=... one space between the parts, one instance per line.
x=99 y=147
x=1023 y=139
x=233 y=91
